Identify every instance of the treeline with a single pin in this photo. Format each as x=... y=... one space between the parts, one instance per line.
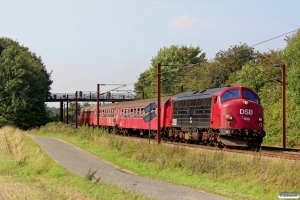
x=238 y=65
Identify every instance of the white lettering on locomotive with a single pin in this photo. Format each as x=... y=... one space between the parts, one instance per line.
x=246 y=118
x=246 y=111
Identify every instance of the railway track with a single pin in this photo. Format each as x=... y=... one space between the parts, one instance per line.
x=271 y=152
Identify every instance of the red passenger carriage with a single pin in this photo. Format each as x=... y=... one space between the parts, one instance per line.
x=126 y=117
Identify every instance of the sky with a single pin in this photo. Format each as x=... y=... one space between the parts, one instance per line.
x=89 y=42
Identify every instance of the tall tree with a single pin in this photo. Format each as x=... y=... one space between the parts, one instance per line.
x=232 y=60
x=179 y=59
x=24 y=86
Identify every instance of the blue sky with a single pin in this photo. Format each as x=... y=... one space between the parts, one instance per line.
x=92 y=41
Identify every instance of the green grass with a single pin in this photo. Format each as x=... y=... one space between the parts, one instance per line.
x=229 y=175
x=28 y=167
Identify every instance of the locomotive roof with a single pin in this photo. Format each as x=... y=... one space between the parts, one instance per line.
x=129 y=104
x=199 y=94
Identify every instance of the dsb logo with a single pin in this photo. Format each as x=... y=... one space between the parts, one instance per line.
x=246 y=111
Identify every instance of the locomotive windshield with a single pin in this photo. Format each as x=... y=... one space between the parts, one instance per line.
x=250 y=95
x=231 y=94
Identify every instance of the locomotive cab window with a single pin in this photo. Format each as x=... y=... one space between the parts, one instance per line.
x=231 y=94
x=247 y=94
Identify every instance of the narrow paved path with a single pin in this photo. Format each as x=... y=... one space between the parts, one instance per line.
x=79 y=162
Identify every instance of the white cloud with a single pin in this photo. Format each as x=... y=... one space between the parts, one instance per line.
x=183 y=22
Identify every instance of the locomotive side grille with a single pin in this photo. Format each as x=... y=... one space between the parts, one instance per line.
x=192 y=113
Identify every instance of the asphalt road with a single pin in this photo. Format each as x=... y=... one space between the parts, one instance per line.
x=79 y=162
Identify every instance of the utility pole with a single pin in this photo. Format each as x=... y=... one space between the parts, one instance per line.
x=283 y=82
x=283 y=106
x=158 y=102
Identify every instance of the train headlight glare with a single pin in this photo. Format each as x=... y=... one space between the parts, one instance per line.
x=246 y=102
x=228 y=117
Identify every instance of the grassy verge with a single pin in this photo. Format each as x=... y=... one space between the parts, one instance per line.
x=26 y=172
x=233 y=176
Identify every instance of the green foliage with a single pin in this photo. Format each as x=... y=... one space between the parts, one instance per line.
x=176 y=57
x=236 y=56
x=90 y=175
x=291 y=57
x=54 y=113
x=24 y=86
x=255 y=77
x=232 y=60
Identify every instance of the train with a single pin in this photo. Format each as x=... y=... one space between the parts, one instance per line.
x=230 y=116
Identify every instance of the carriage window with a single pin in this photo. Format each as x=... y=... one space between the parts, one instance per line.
x=131 y=113
x=134 y=113
x=138 y=113
x=231 y=94
x=125 y=113
x=247 y=94
x=142 y=112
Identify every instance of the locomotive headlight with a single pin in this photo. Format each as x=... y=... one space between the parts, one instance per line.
x=246 y=102
x=228 y=117
x=260 y=119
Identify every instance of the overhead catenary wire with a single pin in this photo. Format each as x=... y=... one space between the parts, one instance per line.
x=274 y=37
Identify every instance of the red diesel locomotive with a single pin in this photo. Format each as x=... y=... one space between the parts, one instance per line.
x=227 y=116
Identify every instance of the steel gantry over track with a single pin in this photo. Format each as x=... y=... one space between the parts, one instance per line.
x=88 y=96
